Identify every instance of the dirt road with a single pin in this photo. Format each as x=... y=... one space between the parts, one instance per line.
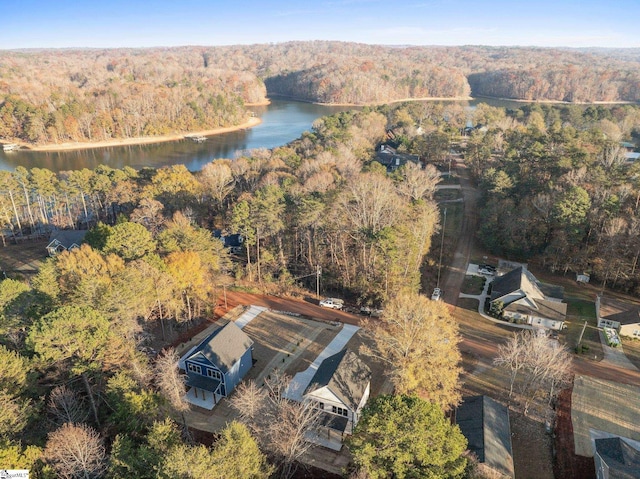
x=306 y=308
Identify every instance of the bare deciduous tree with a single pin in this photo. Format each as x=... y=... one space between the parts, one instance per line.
x=281 y=425
x=538 y=365
x=66 y=407
x=171 y=382
x=76 y=451
x=217 y=179
x=419 y=183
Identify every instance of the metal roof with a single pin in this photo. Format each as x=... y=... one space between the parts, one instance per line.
x=485 y=424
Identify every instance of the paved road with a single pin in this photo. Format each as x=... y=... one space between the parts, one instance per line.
x=454 y=273
x=484 y=347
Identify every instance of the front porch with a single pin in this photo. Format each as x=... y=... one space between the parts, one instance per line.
x=201 y=393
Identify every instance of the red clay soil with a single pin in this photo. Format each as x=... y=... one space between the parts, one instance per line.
x=308 y=308
x=305 y=308
x=566 y=464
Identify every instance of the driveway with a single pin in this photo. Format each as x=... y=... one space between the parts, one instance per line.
x=615 y=356
x=301 y=380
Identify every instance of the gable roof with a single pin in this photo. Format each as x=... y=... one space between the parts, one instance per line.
x=485 y=424
x=346 y=376
x=66 y=237
x=554 y=310
x=622 y=459
x=224 y=347
x=514 y=280
x=618 y=310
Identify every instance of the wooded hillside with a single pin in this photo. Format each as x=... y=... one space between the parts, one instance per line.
x=54 y=96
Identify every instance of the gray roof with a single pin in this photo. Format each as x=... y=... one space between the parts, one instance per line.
x=622 y=459
x=520 y=279
x=546 y=309
x=224 y=347
x=485 y=424
x=515 y=280
x=345 y=375
x=618 y=310
x=67 y=237
x=203 y=382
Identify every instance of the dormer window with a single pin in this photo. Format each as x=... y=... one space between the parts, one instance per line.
x=194 y=368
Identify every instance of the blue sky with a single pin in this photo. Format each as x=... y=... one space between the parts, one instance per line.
x=118 y=23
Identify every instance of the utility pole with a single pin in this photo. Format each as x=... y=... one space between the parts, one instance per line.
x=318 y=273
x=580 y=338
x=224 y=289
x=444 y=224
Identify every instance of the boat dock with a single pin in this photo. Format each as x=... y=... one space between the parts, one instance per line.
x=10 y=146
x=196 y=138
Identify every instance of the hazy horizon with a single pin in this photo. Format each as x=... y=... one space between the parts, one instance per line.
x=35 y=24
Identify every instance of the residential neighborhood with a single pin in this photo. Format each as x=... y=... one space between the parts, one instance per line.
x=392 y=295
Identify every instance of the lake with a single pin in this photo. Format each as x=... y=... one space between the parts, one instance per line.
x=282 y=121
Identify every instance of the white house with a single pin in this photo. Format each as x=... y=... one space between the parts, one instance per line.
x=620 y=315
x=340 y=388
x=526 y=300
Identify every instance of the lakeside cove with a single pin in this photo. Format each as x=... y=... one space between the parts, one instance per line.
x=273 y=124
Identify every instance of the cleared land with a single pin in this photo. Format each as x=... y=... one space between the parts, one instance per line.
x=289 y=344
x=23 y=258
x=605 y=406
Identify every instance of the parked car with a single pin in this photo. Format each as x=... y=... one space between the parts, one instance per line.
x=333 y=303
x=437 y=294
x=486 y=269
x=369 y=311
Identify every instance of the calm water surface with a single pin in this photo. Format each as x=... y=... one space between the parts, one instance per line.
x=282 y=121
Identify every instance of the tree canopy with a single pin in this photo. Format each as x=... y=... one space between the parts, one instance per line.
x=406 y=437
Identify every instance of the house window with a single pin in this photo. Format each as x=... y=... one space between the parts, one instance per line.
x=320 y=405
x=194 y=368
x=214 y=374
x=341 y=411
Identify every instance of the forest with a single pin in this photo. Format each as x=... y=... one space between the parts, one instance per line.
x=71 y=336
x=557 y=190
x=56 y=96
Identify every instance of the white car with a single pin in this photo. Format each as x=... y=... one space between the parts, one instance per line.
x=333 y=303
x=437 y=294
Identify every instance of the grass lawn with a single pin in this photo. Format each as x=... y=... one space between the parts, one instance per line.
x=443 y=195
x=449 y=180
x=578 y=311
x=468 y=304
x=473 y=284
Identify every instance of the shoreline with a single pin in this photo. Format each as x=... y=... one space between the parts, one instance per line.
x=144 y=140
x=460 y=98
x=389 y=102
x=400 y=100
x=556 y=102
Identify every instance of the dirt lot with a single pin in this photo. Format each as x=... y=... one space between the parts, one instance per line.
x=23 y=259
x=567 y=465
x=289 y=344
